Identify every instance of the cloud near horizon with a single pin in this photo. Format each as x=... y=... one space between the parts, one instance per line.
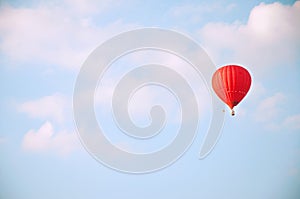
x=53 y=107
x=46 y=139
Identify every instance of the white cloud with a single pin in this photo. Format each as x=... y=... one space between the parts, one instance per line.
x=270 y=38
x=61 y=35
x=52 y=107
x=269 y=108
x=292 y=122
x=270 y=112
x=86 y=7
x=45 y=139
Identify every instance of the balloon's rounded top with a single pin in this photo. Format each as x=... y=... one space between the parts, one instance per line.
x=231 y=83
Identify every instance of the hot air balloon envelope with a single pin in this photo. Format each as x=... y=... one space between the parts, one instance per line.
x=231 y=84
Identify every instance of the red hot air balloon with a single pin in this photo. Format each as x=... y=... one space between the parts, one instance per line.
x=231 y=84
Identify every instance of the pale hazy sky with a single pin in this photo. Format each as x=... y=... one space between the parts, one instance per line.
x=44 y=43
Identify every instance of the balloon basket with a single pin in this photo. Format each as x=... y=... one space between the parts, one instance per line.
x=232 y=112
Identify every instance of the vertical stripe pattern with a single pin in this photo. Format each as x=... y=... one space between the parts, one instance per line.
x=231 y=83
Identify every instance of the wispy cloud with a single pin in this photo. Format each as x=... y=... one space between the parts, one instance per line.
x=53 y=107
x=45 y=139
x=270 y=112
x=60 y=35
x=270 y=38
x=269 y=108
x=88 y=7
x=292 y=122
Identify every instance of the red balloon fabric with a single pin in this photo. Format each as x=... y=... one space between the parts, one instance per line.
x=231 y=84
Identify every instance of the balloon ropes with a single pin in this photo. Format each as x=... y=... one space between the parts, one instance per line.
x=231 y=83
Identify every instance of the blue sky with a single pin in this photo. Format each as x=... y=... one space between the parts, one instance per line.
x=44 y=43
